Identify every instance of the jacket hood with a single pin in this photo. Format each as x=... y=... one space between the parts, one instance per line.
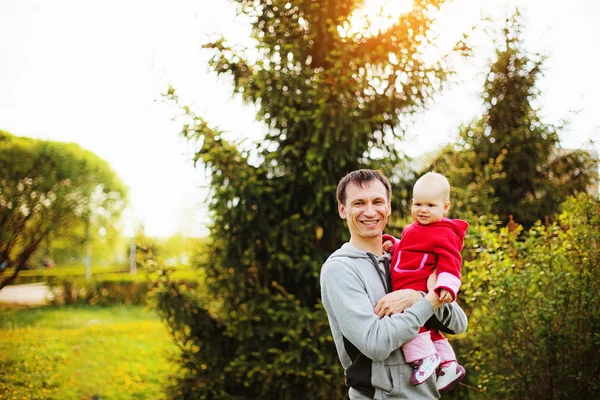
x=457 y=225
x=349 y=250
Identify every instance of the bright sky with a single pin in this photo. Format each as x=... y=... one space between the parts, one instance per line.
x=92 y=72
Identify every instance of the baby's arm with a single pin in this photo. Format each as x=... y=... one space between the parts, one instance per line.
x=389 y=243
x=448 y=268
x=387 y=246
x=445 y=294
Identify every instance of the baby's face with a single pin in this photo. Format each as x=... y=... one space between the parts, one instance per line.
x=429 y=204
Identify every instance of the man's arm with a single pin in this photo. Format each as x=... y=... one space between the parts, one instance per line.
x=347 y=303
x=449 y=318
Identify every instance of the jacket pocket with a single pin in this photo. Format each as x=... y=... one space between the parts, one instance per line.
x=396 y=378
x=390 y=377
x=411 y=261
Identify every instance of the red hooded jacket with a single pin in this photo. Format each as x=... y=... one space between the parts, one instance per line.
x=424 y=248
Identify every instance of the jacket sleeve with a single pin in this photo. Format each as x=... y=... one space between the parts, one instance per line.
x=449 y=262
x=449 y=318
x=348 y=306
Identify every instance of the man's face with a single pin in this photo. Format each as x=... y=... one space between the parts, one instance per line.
x=366 y=210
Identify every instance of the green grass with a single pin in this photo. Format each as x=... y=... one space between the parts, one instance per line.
x=118 y=352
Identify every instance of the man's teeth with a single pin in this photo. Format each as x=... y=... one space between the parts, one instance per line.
x=369 y=222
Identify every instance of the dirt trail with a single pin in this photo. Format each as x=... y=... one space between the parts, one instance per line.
x=32 y=293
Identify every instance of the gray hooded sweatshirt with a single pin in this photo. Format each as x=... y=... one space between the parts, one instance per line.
x=369 y=346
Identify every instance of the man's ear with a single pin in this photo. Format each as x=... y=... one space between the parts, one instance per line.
x=342 y=210
x=389 y=209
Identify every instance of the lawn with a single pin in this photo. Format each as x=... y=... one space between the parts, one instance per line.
x=83 y=352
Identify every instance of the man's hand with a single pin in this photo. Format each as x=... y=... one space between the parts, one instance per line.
x=396 y=302
x=434 y=299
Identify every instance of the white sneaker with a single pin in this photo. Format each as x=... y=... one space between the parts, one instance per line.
x=448 y=375
x=423 y=369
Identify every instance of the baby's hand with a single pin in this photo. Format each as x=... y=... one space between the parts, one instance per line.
x=445 y=296
x=387 y=245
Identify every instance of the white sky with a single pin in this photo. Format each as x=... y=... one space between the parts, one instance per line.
x=92 y=72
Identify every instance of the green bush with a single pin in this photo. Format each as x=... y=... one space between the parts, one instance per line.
x=534 y=305
x=69 y=290
x=114 y=288
x=43 y=274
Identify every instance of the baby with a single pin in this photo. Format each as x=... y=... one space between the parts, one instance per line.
x=430 y=247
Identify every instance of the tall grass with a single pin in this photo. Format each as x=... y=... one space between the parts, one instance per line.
x=117 y=352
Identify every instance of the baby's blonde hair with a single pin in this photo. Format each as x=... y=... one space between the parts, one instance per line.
x=436 y=179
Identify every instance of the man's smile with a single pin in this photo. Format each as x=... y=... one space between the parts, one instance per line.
x=370 y=222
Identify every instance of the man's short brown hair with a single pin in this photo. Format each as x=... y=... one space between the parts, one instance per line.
x=361 y=178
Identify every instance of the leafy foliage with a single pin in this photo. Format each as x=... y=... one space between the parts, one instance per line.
x=327 y=95
x=51 y=189
x=509 y=162
x=534 y=301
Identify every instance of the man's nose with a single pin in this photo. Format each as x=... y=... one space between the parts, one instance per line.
x=369 y=210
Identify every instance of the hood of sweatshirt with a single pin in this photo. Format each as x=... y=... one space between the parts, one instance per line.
x=362 y=259
x=349 y=250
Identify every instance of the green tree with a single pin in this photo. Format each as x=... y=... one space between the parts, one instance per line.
x=509 y=161
x=327 y=95
x=51 y=190
x=534 y=299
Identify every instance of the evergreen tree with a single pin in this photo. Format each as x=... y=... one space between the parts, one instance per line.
x=510 y=162
x=329 y=96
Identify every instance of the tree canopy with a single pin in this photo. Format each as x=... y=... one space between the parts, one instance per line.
x=48 y=189
x=509 y=162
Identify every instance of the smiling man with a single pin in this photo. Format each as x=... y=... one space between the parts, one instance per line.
x=368 y=323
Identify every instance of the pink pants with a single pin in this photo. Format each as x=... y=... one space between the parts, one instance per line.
x=427 y=343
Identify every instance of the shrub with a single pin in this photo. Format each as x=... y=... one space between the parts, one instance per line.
x=106 y=289
x=534 y=304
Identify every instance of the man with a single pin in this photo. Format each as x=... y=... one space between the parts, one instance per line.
x=368 y=325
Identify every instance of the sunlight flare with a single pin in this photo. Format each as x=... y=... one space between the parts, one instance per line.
x=374 y=16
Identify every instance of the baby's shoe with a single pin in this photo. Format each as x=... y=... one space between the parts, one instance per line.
x=423 y=369
x=448 y=375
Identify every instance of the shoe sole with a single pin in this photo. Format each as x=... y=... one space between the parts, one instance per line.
x=449 y=386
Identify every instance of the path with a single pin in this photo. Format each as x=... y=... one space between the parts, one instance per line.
x=32 y=293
